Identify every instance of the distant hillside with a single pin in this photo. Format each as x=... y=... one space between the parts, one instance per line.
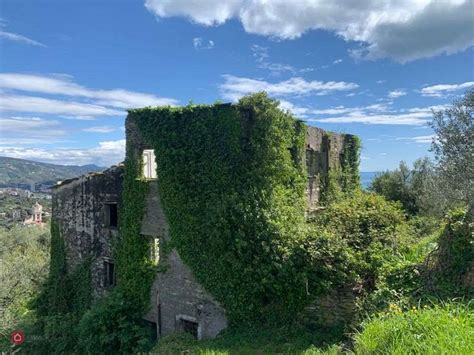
x=21 y=173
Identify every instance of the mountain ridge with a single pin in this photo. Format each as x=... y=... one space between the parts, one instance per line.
x=15 y=172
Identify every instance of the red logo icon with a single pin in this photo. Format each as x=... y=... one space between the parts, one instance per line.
x=17 y=337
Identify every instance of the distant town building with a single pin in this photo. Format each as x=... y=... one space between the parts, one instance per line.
x=36 y=215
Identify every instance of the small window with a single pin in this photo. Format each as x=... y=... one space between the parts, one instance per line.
x=109 y=273
x=111 y=214
x=154 y=250
x=190 y=327
x=149 y=164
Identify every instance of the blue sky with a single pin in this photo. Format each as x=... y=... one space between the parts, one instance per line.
x=69 y=69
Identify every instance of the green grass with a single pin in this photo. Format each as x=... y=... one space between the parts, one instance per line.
x=253 y=341
x=446 y=329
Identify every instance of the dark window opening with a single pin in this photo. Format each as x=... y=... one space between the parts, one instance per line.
x=152 y=328
x=109 y=273
x=190 y=327
x=111 y=214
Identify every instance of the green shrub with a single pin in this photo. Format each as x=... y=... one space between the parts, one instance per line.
x=114 y=325
x=449 y=264
x=24 y=255
x=369 y=228
x=447 y=329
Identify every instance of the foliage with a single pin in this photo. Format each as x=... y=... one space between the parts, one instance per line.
x=24 y=263
x=433 y=188
x=450 y=263
x=232 y=186
x=371 y=229
x=431 y=267
x=446 y=329
x=275 y=340
x=54 y=297
x=343 y=179
x=454 y=148
x=350 y=163
x=408 y=186
x=20 y=205
x=115 y=323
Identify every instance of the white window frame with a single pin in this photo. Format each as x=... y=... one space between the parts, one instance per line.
x=149 y=164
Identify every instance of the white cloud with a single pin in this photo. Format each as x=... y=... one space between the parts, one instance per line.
x=379 y=114
x=403 y=30
x=235 y=87
x=295 y=110
x=199 y=43
x=19 y=38
x=337 y=61
x=415 y=119
x=105 y=154
x=381 y=81
x=263 y=62
x=101 y=129
x=29 y=130
x=428 y=139
x=62 y=85
x=441 y=90
x=396 y=93
x=306 y=112
x=32 y=104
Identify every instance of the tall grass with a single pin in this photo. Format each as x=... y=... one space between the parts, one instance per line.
x=445 y=329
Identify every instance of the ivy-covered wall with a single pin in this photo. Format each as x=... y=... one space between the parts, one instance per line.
x=235 y=183
x=232 y=183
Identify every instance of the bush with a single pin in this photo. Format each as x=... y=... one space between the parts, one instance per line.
x=448 y=266
x=447 y=329
x=114 y=325
x=24 y=266
x=371 y=228
x=419 y=189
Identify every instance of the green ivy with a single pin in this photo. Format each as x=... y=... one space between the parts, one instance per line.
x=135 y=271
x=232 y=183
x=345 y=177
x=232 y=186
x=64 y=298
x=115 y=324
x=350 y=163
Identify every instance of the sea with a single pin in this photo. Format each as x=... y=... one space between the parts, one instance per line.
x=366 y=177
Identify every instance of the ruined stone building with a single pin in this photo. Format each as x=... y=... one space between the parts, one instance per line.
x=86 y=209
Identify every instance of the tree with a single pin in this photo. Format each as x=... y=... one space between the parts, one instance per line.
x=454 y=149
x=404 y=184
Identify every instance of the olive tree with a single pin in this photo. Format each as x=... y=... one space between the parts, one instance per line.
x=454 y=149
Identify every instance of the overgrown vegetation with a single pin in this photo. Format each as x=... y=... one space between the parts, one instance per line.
x=24 y=255
x=431 y=188
x=115 y=323
x=232 y=185
x=447 y=329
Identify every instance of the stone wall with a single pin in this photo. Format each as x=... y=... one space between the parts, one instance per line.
x=333 y=309
x=175 y=294
x=323 y=154
x=80 y=207
x=80 y=210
